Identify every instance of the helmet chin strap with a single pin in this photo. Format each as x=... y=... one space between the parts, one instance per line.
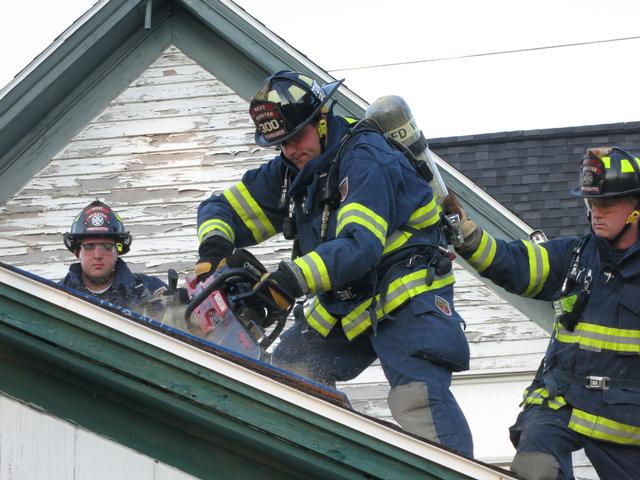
x=322 y=132
x=633 y=216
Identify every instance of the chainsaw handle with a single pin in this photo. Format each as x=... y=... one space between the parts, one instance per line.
x=275 y=333
x=220 y=279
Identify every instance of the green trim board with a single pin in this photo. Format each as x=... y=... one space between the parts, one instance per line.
x=91 y=72
x=261 y=46
x=106 y=49
x=143 y=378
x=500 y=223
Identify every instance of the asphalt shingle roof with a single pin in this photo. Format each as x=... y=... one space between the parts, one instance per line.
x=532 y=171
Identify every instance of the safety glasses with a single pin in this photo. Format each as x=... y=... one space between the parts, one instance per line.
x=91 y=247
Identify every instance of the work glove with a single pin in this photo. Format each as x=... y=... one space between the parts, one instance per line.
x=283 y=286
x=213 y=255
x=470 y=232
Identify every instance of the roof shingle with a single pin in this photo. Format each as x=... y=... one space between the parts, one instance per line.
x=531 y=172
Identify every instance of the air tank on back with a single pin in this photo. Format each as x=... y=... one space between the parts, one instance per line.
x=394 y=117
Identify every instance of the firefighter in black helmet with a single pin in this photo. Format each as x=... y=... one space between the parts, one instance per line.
x=286 y=103
x=349 y=199
x=586 y=393
x=98 y=238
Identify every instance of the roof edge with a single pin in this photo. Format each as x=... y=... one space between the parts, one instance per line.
x=340 y=420
x=536 y=134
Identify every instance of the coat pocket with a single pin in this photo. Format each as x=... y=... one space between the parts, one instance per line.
x=442 y=337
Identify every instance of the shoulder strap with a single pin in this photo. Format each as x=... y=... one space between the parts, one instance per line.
x=571 y=270
x=329 y=189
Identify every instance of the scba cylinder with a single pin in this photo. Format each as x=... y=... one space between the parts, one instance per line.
x=392 y=114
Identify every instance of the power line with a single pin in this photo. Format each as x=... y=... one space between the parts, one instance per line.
x=486 y=54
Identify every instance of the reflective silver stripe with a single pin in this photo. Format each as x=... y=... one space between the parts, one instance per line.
x=395 y=241
x=215 y=226
x=609 y=338
x=351 y=211
x=214 y=232
x=539 y=395
x=600 y=337
x=369 y=219
x=484 y=255
x=314 y=271
x=400 y=290
x=604 y=428
x=538 y=268
x=426 y=218
x=317 y=317
x=314 y=315
x=249 y=211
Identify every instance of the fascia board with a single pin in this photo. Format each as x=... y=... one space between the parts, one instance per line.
x=263 y=46
x=48 y=52
x=334 y=417
x=60 y=56
x=40 y=131
x=500 y=222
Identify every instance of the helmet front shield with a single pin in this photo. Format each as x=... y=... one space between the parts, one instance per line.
x=97 y=220
x=608 y=172
x=285 y=103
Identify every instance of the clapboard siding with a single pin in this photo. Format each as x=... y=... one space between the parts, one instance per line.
x=166 y=143
x=171 y=108
x=59 y=450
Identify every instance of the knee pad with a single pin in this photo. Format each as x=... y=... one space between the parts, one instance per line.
x=409 y=405
x=536 y=466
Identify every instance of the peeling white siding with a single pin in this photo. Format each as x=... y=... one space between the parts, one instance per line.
x=37 y=446
x=170 y=140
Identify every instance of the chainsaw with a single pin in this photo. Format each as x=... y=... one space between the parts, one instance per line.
x=226 y=310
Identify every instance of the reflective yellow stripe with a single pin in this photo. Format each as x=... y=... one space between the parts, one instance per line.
x=604 y=338
x=318 y=318
x=568 y=303
x=538 y=268
x=399 y=291
x=538 y=397
x=626 y=165
x=358 y=213
x=603 y=428
x=315 y=272
x=395 y=241
x=485 y=253
x=425 y=216
x=249 y=212
x=222 y=228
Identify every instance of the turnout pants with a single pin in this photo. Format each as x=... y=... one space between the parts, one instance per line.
x=419 y=399
x=546 y=442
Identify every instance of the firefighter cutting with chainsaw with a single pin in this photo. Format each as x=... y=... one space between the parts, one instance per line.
x=369 y=253
x=586 y=393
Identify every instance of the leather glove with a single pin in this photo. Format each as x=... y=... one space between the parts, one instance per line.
x=213 y=255
x=471 y=233
x=281 y=286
